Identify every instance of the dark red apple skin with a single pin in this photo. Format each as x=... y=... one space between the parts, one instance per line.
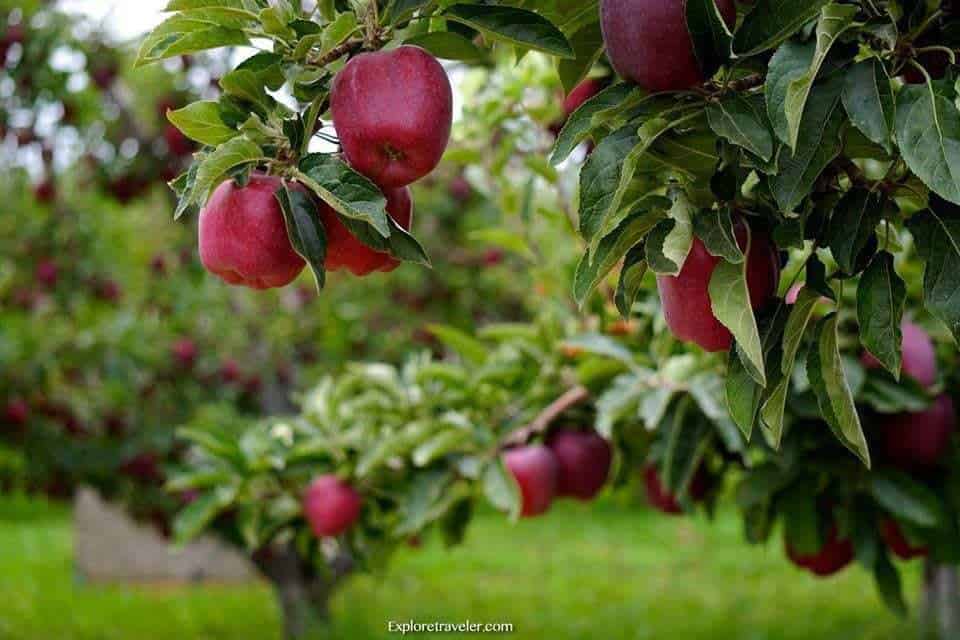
x=393 y=111
x=835 y=554
x=346 y=252
x=581 y=93
x=243 y=237
x=686 y=296
x=583 y=459
x=919 y=355
x=898 y=543
x=648 y=43
x=461 y=190
x=45 y=192
x=536 y=471
x=918 y=441
x=663 y=500
x=331 y=506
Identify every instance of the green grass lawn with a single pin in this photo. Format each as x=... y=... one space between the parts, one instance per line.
x=608 y=572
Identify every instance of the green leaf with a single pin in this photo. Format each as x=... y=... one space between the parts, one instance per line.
x=711 y=37
x=790 y=62
x=771 y=22
x=587 y=45
x=201 y=121
x=743 y=121
x=669 y=242
x=869 y=101
x=201 y=512
x=689 y=438
x=797 y=322
x=881 y=297
x=889 y=585
x=631 y=280
x=801 y=521
x=730 y=301
x=715 y=230
x=348 y=192
x=604 y=179
x=852 y=225
x=907 y=499
x=819 y=143
x=603 y=346
x=501 y=489
x=937 y=234
x=594 y=266
x=215 y=167
x=448 y=45
x=513 y=25
x=829 y=383
x=585 y=119
x=307 y=235
x=928 y=133
x=248 y=85
x=469 y=348
x=835 y=19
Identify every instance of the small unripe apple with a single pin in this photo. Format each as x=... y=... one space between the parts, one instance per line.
x=581 y=93
x=331 y=506
x=345 y=251
x=686 y=296
x=918 y=441
x=536 y=471
x=835 y=554
x=583 y=459
x=661 y=499
x=393 y=111
x=243 y=236
x=648 y=43
x=898 y=543
x=919 y=356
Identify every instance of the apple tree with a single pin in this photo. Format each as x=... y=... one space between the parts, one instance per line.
x=781 y=171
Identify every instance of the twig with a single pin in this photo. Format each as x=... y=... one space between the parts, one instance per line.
x=351 y=46
x=573 y=397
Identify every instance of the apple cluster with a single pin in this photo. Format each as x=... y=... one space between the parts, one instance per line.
x=393 y=111
x=571 y=464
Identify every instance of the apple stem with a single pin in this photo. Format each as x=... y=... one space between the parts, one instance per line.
x=575 y=396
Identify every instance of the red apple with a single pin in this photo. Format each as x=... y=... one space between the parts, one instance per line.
x=346 y=252
x=331 y=506
x=47 y=273
x=583 y=459
x=918 y=441
x=393 y=111
x=581 y=93
x=230 y=372
x=648 y=42
x=45 y=192
x=185 y=352
x=144 y=467
x=17 y=412
x=536 y=471
x=663 y=500
x=686 y=297
x=243 y=236
x=835 y=554
x=460 y=189
x=177 y=142
x=919 y=356
x=898 y=543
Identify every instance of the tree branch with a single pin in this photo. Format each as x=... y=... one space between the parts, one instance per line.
x=545 y=418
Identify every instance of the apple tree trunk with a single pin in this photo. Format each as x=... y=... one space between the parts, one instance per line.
x=302 y=592
x=940 y=607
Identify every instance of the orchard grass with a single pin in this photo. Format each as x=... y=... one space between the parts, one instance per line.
x=607 y=571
